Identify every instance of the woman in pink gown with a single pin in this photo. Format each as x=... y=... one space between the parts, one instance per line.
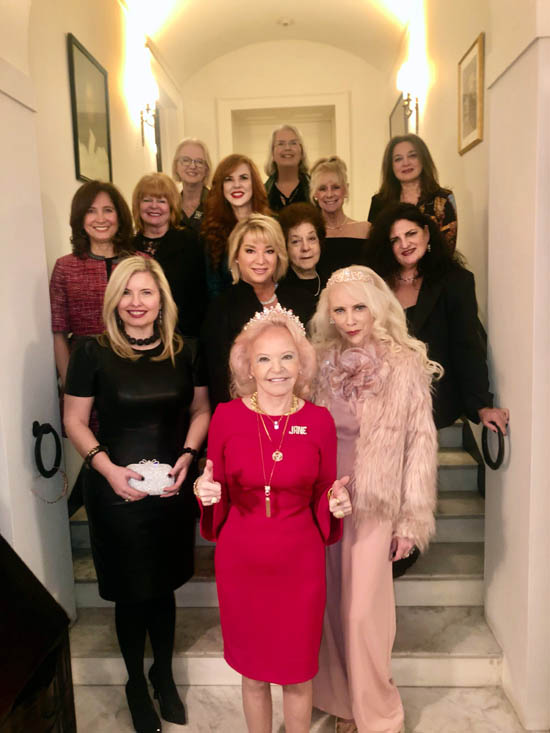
x=375 y=380
x=264 y=499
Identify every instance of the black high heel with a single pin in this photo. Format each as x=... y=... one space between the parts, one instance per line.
x=171 y=707
x=144 y=715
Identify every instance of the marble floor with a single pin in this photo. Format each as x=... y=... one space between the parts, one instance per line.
x=102 y=709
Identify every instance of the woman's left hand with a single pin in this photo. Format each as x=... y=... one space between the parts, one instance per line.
x=400 y=547
x=339 y=502
x=179 y=472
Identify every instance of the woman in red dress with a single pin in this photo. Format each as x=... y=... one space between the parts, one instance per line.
x=265 y=500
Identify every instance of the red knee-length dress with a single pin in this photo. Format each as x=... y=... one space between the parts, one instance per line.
x=270 y=571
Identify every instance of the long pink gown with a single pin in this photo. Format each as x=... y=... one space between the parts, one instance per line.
x=354 y=679
x=270 y=571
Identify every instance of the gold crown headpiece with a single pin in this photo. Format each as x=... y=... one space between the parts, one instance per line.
x=347 y=275
x=268 y=314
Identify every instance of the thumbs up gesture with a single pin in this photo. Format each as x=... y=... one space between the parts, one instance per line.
x=205 y=488
x=339 y=502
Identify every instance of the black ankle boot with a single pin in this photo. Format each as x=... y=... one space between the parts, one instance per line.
x=144 y=716
x=171 y=706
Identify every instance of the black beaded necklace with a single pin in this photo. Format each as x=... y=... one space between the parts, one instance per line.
x=142 y=342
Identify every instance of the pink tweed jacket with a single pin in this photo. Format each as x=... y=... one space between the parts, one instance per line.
x=395 y=469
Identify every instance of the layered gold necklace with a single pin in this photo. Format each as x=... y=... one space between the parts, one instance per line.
x=277 y=455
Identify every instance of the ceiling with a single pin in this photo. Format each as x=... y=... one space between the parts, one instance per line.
x=195 y=32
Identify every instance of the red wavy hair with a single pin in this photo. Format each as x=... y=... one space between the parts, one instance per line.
x=219 y=218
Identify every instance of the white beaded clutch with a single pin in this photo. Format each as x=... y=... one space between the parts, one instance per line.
x=155 y=477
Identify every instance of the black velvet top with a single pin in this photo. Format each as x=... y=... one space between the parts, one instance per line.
x=445 y=318
x=180 y=255
x=338 y=252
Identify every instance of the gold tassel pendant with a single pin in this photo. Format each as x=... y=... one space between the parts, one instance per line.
x=267 y=501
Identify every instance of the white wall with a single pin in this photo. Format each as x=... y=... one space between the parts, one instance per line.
x=518 y=496
x=451 y=28
x=37 y=530
x=100 y=26
x=294 y=68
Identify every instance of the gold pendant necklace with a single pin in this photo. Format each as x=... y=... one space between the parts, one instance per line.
x=276 y=456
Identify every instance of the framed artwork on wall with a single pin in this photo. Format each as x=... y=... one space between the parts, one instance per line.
x=471 y=95
x=90 y=112
x=399 y=122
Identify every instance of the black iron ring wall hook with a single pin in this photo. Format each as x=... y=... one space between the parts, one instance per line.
x=497 y=462
x=39 y=431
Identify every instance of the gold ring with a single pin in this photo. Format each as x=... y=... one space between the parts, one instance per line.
x=339 y=515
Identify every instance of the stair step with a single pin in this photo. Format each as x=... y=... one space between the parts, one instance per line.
x=448 y=574
x=460 y=517
x=451 y=437
x=457 y=470
x=219 y=709
x=439 y=645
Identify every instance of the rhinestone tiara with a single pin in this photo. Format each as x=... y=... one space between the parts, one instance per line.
x=269 y=313
x=347 y=275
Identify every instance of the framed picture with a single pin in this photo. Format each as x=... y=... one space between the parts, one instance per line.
x=399 y=122
x=470 y=96
x=90 y=111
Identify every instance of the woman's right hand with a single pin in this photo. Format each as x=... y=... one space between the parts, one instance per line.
x=491 y=416
x=206 y=489
x=118 y=476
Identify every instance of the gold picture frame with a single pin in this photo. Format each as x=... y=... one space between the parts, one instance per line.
x=471 y=88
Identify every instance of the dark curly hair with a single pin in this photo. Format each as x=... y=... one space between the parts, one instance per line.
x=219 y=218
x=82 y=200
x=390 y=187
x=435 y=263
x=296 y=214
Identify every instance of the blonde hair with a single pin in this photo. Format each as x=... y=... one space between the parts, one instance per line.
x=159 y=185
x=206 y=153
x=334 y=164
x=113 y=336
x=270 y=231
x=271 y=167
x=241 y=383
x=389 y=323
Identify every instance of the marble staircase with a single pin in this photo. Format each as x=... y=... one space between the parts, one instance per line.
x=442 y=638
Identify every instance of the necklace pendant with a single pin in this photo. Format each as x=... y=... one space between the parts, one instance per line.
x=277 y=456
x=276 y=424
x=267 y=490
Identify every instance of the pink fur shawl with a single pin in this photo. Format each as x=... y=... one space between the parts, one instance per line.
x=395 y=469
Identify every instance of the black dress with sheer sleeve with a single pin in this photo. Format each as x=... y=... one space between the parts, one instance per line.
x=141 y=549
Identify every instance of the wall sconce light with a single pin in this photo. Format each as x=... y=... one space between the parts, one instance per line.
x=147 y=117
x=410 y=105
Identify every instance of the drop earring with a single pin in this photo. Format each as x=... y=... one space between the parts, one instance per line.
x=429 y=247
x=331 y=321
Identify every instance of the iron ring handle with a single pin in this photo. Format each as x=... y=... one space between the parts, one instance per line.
x=497 y=462
x=39 y=431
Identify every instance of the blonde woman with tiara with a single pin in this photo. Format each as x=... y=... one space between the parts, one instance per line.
x=147 y=386
x=375 y=380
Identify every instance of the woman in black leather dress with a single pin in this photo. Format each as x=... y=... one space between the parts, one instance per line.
x=147 y=387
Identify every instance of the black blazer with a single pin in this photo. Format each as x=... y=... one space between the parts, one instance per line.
x=180 y=255
x=226 y=316
x=445 y=318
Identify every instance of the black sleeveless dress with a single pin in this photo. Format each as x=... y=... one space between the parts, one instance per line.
x=141 y=549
